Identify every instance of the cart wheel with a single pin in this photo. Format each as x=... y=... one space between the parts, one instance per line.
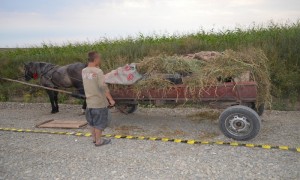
x=239 y=122
x=128 y=108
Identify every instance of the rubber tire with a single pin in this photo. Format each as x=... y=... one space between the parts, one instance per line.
x=132 y=108
x=250 y=113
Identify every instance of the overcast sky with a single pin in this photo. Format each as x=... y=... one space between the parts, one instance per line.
x=32 y=22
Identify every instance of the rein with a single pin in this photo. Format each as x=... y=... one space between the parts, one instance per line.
x=44 y=87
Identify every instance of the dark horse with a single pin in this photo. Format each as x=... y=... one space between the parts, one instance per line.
x=54 y=76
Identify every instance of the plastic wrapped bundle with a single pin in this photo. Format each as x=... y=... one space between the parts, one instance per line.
x=126 y=75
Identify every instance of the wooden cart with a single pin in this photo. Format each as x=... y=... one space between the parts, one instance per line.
x=240 y=120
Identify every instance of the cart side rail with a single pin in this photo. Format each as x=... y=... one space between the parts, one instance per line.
x=229 y=91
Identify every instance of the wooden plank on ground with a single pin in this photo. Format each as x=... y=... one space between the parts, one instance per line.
x=67 y=124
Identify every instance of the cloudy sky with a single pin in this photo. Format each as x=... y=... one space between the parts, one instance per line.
x=32 y=22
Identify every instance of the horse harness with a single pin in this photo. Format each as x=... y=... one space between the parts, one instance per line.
x=44 y=74
x=47 y=76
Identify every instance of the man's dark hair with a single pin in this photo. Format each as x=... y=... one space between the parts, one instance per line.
x=92 y=56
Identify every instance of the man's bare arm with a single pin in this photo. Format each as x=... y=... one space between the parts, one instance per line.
x=104 y=86
x=109 y=98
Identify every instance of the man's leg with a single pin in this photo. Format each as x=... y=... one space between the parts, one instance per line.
x=98 y=134
x=101 y=124
x=93 y=134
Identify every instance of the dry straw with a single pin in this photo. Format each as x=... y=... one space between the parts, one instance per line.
x=202 y=74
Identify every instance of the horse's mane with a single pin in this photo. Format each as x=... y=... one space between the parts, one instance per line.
x=43 y=64
x=50 y=64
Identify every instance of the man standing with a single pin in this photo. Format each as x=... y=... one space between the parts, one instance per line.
x=97 y=98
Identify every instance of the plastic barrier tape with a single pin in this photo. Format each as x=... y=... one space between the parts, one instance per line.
x=264 y=146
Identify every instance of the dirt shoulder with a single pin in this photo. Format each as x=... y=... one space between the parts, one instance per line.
x=278 y=127
x=46 y=156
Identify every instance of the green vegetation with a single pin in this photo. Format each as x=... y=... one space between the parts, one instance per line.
x=280 y=43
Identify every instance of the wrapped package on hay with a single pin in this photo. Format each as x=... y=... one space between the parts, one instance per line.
x=126 y=75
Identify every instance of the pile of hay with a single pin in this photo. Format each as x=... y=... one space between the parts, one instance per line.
x=198 y=73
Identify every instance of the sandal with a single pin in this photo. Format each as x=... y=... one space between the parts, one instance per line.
x=104 y=142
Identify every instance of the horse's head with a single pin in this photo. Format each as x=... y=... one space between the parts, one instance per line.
x=30 y=71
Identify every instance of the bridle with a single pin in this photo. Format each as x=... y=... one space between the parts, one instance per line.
x=35 y=75
x=31 y=70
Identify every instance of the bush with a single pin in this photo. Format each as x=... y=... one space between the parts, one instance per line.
x=280 y=43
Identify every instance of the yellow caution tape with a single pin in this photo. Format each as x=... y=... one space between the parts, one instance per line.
x=177 y=140
x=204 y=142
x=165 y=139
x=129 y=137
x=87 y=134
x=219 y=142
x=141 y=137
x=118 y=136
x=283 y=147
x=250 y=145
x=234 y=144
x=191 y=142
x=264 y=146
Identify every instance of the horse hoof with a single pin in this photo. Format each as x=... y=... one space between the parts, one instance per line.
x=82 y=112
x=53 y=112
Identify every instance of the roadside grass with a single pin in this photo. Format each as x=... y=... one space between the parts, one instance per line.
x=280 y=42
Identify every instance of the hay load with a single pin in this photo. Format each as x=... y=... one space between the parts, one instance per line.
x=204 y=69
x=204 y=55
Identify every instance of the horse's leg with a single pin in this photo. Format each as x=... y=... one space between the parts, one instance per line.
x=56 y=100
x=81 y=91
x=84 y=105
x=51 y=97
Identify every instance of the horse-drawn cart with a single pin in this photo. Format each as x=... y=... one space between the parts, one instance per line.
x=240 y=120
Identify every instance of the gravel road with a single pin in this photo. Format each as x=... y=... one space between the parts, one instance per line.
x=45 y=156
